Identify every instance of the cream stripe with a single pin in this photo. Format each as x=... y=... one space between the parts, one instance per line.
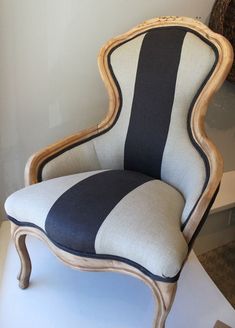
x=78 y=159
x=182 y=165
x=145 y=228
x=110 y=146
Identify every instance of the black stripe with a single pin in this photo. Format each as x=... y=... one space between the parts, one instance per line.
x=75 y=218
x=153 y=99
x=75 y=144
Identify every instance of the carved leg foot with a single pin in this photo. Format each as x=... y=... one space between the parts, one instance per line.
x=25 y=271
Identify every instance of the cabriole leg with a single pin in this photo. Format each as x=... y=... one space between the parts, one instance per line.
x=25 y=270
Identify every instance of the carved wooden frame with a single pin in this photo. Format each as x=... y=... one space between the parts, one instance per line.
x=163 y=292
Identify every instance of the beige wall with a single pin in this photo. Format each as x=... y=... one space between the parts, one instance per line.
x=220 y=123
x=49 y=83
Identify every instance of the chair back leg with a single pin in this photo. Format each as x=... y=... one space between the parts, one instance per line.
x=164 y=294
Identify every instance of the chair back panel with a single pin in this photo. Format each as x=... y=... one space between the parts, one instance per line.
x=159 y=74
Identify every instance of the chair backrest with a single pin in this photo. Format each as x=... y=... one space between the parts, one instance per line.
x=160 y=76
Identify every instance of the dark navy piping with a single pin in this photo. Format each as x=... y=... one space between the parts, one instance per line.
x=42 y=164
x=100 y=256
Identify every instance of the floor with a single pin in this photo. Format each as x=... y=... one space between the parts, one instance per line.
x=59 y=297
x=219 y=263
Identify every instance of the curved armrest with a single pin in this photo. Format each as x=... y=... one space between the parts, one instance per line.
x=45 y=163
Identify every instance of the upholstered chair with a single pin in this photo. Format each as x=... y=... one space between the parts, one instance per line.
x=131 y=193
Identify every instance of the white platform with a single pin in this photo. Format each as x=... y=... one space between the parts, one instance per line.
x=60 y=297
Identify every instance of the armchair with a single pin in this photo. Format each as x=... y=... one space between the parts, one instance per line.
x=131 y=193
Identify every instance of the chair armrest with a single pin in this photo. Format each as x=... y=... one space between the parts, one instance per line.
x=72 y=154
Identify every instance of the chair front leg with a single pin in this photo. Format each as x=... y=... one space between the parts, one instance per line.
x=26 y=267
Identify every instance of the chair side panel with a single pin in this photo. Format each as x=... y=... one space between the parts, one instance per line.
x=183 y=165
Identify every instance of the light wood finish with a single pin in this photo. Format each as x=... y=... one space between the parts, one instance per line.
x=220 y=324
x=198 y=128
x=35 y=161
x=26 y=266
x=163 y=292
x=197 y=119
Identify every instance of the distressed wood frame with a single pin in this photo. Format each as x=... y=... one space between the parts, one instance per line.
x=163 y=292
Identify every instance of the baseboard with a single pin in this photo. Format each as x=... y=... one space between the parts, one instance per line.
x=218 y=230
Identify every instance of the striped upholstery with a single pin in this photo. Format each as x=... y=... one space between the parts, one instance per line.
x=107 y=213
x=159 y=75
x=151 y=134
x=151 y=172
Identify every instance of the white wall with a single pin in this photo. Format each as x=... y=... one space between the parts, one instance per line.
x=49 y=82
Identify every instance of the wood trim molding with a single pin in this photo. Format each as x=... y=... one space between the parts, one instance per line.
x=225 y=60
x=163 y=292
x=36 y=161
x=199 y=110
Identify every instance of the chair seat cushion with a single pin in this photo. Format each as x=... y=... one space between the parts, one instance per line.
x=116 y=214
